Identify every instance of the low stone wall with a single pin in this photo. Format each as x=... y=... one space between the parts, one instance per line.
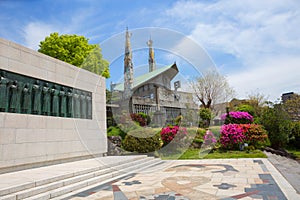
x=28 y=139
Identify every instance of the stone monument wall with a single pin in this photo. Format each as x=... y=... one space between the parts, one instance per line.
x=50 y=111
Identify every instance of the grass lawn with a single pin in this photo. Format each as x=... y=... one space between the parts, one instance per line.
x=194 y=154
x=295 y=152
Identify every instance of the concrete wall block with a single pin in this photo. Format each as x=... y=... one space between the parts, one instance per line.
x=9 y=151
x=10 y=52
x=69 y=135
x=48 y=64
x=81 y=124
x=26 y=69
x=53 y=135
x=36 y=122
x=3 y=62
x=2 y=116
x=53 y=123
x=30 y=138
x=12 y=120
x=30 y=135
x=93 y=124
x=68 y=123
x=7 y=136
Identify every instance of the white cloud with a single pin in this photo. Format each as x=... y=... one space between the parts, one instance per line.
x=261 y=35
x=34 y=32
x=272 y=78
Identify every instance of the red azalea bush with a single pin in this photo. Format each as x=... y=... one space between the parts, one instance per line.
x=168 y=133
x=234 y=134
x=255 y=134
x=140 y=118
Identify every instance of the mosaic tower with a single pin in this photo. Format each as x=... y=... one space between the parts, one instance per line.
x=151 y=59
x=128 y=67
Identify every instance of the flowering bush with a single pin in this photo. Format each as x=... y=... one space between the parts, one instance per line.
x=231 y=136
x=237 y=117
x=141 y=118
x=255 y=134
x=209 y=138
x=234 y=134
x=168 y=133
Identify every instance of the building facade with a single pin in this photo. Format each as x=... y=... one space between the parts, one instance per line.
x=151 y=93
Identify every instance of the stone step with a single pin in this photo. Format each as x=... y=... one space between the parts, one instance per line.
x=26 y=190
x=67 y=190
x=152 y=164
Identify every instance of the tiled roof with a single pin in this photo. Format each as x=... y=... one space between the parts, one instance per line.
x=140 y=80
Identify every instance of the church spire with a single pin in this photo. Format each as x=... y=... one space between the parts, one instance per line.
x=128 y=67
x=151 y=59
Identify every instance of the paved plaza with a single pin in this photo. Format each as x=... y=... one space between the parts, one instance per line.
x=198 y=179
x=225 y=179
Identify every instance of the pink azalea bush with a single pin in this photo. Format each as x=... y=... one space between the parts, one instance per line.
x=232 y=135
x=237 y=117
x=168 y=133
x=209 y=138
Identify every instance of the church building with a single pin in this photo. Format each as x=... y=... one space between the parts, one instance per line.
x=151 y=93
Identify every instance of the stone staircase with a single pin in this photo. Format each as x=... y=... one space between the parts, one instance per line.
x=76 y=176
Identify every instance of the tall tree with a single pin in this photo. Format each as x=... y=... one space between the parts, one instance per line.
x=212 y=88
x=76 y=50
x=292 y=106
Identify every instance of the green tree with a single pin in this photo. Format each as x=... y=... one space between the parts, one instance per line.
x=76 y=50
x=205 y=115
x=276 y=121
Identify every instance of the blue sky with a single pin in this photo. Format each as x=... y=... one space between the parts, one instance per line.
x=254 y=43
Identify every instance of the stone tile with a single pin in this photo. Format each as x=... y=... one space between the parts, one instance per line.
x=3 y=62
x=7 y=136
x=15 y=120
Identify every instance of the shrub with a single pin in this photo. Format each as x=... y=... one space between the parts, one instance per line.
x=237 y=117
x=256 y=135
x=168 y=133
x=234 y=134
x=246 y=108
x=276 y=121
x=205 y=115
x=141 y=118
x=142 y=143
x=115 y=131
x=231 y=136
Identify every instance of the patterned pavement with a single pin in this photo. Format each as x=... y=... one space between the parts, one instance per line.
x=225 y=179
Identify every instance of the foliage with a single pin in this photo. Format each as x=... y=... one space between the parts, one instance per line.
x=246 y=108
x=142 y=143
x=255 y=134
x=178 y=120
x=212 y=88
x=294 y=137
x=292 y=106
x=115 y=131
x=77 y=51
x=231 y=136
x=141 y=118
x=276 y=121
x=205 y=115
x=170 y=132
x=237 y=117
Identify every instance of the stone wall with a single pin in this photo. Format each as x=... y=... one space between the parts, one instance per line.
x=26 y=139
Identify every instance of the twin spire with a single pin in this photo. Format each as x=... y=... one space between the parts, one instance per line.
x=128 y=65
